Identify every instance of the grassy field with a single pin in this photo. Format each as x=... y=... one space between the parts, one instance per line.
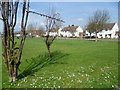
x=74 y=64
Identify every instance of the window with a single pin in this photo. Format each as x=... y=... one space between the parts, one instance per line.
x=109 y=35
x=100 y=34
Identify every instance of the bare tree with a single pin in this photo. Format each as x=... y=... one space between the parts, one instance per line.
x=31 y=27
x=11 y=52
x=97 y=22
x=51 y=25
x=90 y=27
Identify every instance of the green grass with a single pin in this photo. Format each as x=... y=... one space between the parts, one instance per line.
x=74 y=64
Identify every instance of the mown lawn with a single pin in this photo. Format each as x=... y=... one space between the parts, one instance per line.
x=74 y=64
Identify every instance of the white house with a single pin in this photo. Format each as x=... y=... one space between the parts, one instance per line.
x=18 y=35
x=71 y=31
x=110 y=31
x=53 y=32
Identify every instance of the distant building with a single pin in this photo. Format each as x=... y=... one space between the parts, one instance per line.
x=35 y=33
x=19 y=34
x=110 y=31
x=53 y=32
x=71 y=31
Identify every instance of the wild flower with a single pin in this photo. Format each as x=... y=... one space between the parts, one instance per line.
x=39 y=85
x=48 y=82
x=18 y=84
x=112 y=85
x=24 y=80
x=41 y=77
x=102 y=69
x=54 y=85
x=58 y=86
x=83 y=71
x=82 y=75
x=73 y=74
x=59 y=78
x=91 y=87
x=71 y=80
x=31 y=84
x=86 y=75
x=87 y=79
x=45 y=84
x=80 y=81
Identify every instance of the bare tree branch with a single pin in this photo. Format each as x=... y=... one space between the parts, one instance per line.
x=45 y=15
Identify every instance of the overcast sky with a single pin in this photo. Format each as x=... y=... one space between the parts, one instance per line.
x=76 y=13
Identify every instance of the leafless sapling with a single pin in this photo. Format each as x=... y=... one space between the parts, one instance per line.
x=12 y=52
x=52 y=25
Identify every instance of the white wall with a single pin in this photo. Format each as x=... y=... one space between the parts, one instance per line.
x=53 y=33
x=79 y=29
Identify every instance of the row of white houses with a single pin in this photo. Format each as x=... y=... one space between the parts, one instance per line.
x=110 y=31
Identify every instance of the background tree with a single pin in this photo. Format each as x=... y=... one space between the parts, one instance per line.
x=51 y=25
x=98 y=21
x=31 y=27
x=11 y=52
x=41 y=30
x=90 y=27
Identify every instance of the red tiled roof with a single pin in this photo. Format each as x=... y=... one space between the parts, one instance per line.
x=71 y=28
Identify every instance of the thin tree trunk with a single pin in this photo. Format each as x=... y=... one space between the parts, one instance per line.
x=90 y=35
x=49 y=51
x=15 y=73
x=96 y=37
x=48 y=48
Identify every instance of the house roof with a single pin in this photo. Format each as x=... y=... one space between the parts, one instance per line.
x=109 y=26
x=70 y=28
x=54 y=30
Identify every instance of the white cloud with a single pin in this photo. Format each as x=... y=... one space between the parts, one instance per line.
x=80 y=19
x=42 y=23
